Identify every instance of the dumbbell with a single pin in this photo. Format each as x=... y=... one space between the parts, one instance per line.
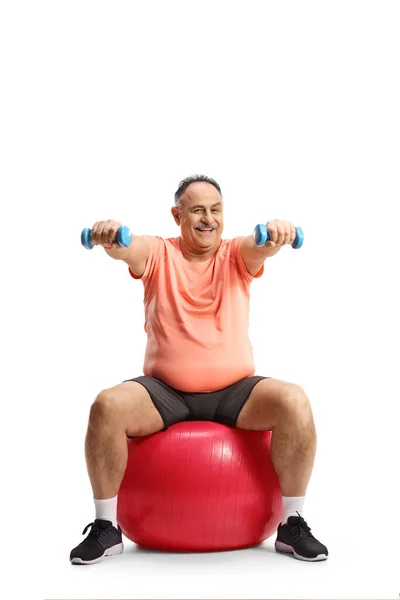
x=123 y=238
x=261 y=236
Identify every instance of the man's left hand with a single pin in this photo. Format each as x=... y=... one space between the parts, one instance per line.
x=280 y=233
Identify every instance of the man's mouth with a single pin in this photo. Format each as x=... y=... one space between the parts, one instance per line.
x=205 y=230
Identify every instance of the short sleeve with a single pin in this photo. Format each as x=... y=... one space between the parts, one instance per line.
x=157 y=251
x=235 y=254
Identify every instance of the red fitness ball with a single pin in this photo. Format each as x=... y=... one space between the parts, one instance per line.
x=200 y=486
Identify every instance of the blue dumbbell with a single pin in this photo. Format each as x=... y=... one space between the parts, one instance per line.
x=261 y=236
x=123 y=238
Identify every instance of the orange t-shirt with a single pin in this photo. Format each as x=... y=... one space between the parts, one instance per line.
x=197 y=316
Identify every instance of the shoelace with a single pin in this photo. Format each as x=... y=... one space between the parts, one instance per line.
x=300 y=529
x=97 y=530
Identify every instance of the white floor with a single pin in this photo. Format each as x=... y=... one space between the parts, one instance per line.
x=367 y=569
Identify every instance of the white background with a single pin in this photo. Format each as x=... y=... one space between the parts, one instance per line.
x=293 y=107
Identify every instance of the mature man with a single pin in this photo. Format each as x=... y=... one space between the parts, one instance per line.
x=197 y=301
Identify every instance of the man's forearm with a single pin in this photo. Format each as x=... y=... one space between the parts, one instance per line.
x=254 y=256
x=255 y=252
x=136 y=255
x=122 y=253
x=118 y=253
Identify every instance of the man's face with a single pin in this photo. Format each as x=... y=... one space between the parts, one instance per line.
x=200 y=216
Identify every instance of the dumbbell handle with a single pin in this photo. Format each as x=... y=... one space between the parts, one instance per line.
x=261 y=236
x=123 y=237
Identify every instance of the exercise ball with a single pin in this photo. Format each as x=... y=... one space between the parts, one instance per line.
x=199 y=486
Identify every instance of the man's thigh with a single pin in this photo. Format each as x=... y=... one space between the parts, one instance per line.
x=262 y=407
x=230 y=401
x=131 y=405
x=165 y=399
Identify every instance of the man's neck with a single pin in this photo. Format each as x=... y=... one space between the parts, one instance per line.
x=192 y=256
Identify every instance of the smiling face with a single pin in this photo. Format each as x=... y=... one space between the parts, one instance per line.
x=200 y=218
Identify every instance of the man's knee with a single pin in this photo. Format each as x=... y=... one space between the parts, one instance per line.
x=126 y=406
x=294 y=401
x=105 y=406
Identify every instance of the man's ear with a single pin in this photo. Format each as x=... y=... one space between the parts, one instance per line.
x=175 y=214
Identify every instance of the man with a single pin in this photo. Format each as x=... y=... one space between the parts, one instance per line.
x=196 y=298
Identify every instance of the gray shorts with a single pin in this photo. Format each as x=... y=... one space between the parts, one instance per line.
x=221 y=406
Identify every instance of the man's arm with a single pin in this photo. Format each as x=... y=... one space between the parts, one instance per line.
x=254 y=256
x=136 y=255
x=281 y=233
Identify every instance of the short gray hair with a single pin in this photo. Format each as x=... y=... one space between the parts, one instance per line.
x=184 y=184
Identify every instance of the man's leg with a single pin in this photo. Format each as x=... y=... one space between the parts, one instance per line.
x=284 y=409
x=118 y=412
x=123 y=410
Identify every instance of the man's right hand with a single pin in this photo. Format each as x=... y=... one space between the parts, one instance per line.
x=104 y=234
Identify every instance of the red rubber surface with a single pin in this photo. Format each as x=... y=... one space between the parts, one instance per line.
x=200 y=486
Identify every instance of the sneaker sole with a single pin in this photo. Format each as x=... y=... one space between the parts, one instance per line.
x=113 y=551
x=281 y=547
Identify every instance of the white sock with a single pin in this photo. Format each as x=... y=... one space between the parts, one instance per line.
x=291 y=506
x=107 y=509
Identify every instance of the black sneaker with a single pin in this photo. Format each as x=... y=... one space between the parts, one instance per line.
x=295 y=537
x=103 y=540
